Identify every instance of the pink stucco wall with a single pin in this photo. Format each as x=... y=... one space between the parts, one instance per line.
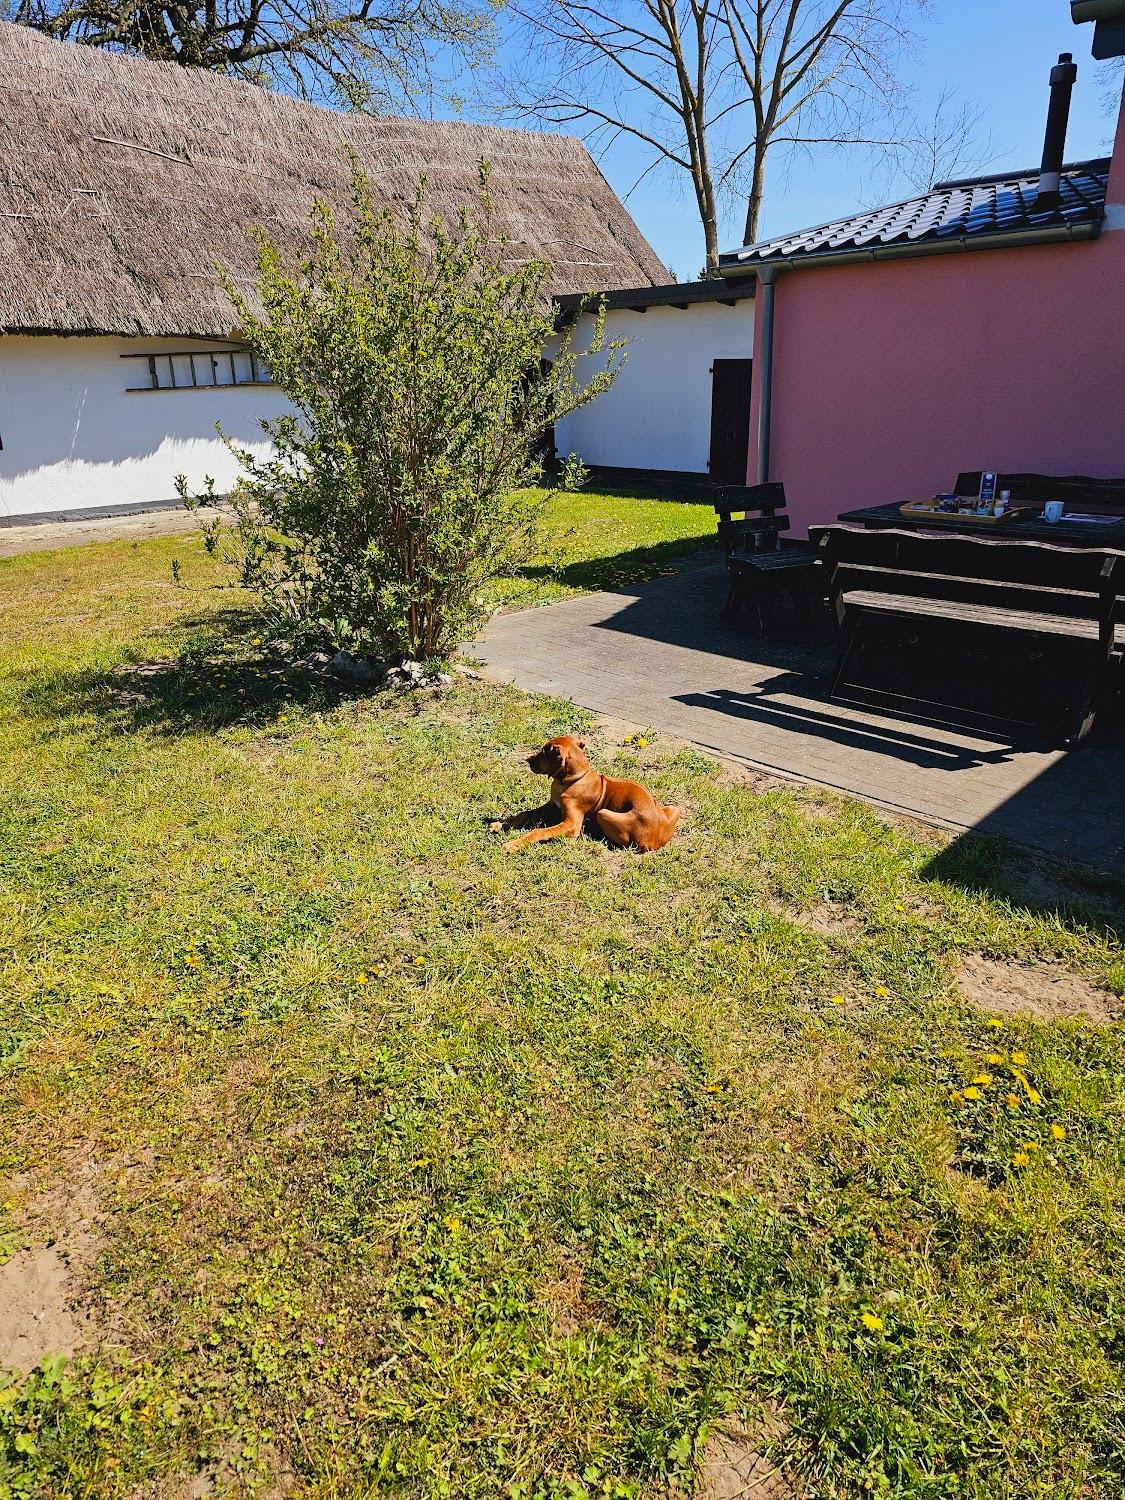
x=891 y=377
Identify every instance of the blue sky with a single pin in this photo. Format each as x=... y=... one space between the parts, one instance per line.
x=996 y=53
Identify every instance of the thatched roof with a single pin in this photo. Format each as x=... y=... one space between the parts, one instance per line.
x=122 y=182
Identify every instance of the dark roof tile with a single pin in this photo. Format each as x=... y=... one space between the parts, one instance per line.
x=974 y=206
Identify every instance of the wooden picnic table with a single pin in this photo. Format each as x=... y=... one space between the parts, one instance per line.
x=1029 y=528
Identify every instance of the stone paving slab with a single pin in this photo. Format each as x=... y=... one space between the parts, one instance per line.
x=657 y=655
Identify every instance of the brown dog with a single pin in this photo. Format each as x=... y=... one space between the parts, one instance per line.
x=626 y=812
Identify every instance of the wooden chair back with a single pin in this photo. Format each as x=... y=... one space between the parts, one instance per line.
x=1030 y=577
x=1078 y=491
x=760 y=513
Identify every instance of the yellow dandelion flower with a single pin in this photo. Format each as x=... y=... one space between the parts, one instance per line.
x=423 y=1161
x=257 y=641
x=882 y=991
x=984 y=1079
x=193 y=960
x=995 y=1021
x=1013 y=1101
x=947 y=1052
x=957 y=1096
x=318 y=809
x=1020 y=1159
x=899 y=906
x=1033 y=1095
x=419 y=959
x=1058 y=1132
x=1019 y=1057
x=971 y=1094
x=871 y=1321
x=835 y=999
x=361 y=979
x=995 y=1057
x=452 y=1223
x=1029 y=1146
x=641 y=741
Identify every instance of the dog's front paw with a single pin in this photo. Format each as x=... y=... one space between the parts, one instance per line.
x=510 y=845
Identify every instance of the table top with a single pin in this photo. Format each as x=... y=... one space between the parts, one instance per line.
x=1030 y=528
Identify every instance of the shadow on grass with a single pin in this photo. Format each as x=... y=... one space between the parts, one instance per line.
x=618 y=569
x=983 y=864
x=213 y=677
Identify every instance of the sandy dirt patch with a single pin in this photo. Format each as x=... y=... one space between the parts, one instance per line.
x=139 y=527
x=733 y=1467
x=41 y=1309
x=1006 y=988
x=823 y=919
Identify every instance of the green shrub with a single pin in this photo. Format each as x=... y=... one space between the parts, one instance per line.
x=397 y=488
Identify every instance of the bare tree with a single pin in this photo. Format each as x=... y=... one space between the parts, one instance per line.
x=365 y=54
x=711 y=86
x=951 y=143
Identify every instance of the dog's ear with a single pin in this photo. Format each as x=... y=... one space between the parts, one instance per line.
x=554 y=754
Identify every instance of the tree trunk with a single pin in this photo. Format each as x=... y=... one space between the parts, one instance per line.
x=711 y=240
x=757 y=187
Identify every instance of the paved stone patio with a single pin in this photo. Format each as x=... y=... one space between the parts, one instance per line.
x=658 y=656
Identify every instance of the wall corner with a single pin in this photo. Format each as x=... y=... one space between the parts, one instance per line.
x=1115 y=192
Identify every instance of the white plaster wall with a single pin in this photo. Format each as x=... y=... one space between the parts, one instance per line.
x=74 y=438
x=658 y=413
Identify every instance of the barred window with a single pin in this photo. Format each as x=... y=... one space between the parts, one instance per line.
x=199 y=369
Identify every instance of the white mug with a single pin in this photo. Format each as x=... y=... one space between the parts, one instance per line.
x=1052 y=510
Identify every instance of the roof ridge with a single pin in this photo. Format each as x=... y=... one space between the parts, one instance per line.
x=1095 y=163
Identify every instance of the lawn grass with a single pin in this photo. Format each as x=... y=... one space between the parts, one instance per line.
x=421 y=1170
x=607 y=539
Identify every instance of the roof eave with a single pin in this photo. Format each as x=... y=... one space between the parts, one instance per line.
x=732 y=268
x=677 y=294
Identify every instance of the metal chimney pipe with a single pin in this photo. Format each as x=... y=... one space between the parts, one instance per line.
x=1063 y=75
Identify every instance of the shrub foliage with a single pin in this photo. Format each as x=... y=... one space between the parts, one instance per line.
x=400 y=483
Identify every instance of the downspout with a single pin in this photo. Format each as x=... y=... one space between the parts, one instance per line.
x=767 y=278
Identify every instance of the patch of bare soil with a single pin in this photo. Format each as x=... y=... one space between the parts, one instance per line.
x=733 y=1467
x=1007 y=988
x=218 y=1481
x=41 y=1310
x=824 y=919
x=135 y=527
x=565 y=1297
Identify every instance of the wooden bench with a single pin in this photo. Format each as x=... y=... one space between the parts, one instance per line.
x=1028 y=588
x=759 y=566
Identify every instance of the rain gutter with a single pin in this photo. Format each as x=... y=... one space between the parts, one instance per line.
x=1051 y=234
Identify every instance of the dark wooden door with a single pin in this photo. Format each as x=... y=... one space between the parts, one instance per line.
x=730 y=420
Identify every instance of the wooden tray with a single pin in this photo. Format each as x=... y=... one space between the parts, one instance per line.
x=935 y=517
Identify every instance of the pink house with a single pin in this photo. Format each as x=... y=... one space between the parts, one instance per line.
x=980 y=326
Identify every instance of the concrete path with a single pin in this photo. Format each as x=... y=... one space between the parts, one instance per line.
x=40 y=536
x=657 y=655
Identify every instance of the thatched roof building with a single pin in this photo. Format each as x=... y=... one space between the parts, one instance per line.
x=123 y=182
